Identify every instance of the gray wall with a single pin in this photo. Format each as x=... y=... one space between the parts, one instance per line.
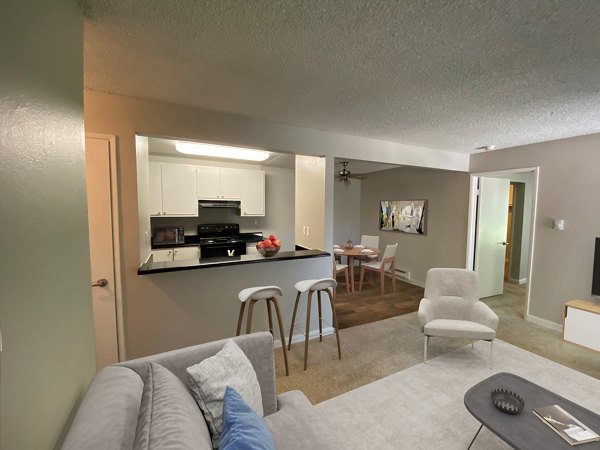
x=45 y=295
x=447 y=194
x=569 y=188
x=172 y=310
x=346 y=212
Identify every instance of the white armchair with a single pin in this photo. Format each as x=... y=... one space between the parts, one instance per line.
x=451 y=308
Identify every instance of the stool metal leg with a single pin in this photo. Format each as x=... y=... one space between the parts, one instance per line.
x=240 y=318
x=335 y=322
x=320 y=317
x=269 y=313
x=293 y=320
x=310 y=293
x=281 y=333
x=249 y=318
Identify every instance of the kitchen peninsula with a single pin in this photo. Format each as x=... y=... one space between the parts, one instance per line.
x=150 y=267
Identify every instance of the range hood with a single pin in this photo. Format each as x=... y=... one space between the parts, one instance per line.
x=219 y=203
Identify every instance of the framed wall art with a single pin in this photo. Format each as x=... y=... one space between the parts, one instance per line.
x=406 y=216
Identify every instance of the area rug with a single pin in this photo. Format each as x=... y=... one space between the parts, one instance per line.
x=422 y=407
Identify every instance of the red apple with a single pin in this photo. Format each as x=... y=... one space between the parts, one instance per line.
x=261 y=244
x=277 y=243
x=272 y=237
x=267 y=243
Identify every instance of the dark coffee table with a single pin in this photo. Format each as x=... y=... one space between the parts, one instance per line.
x=525 y=431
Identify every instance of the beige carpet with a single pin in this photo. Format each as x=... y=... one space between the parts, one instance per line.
x=369 y=352
x=373 y=351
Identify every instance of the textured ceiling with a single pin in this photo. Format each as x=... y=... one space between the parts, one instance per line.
x=450 y=75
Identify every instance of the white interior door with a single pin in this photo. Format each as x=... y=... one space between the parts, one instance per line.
x=100 y=222
x=492 y=220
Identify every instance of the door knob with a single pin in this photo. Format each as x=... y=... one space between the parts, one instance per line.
x=102 y=282
x=505 y=243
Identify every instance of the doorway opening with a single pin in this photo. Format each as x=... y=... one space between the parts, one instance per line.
x=500 y=238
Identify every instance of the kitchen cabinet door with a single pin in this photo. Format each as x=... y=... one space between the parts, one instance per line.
x=155 y=189
x=186 y=253
x=179 y=190
x=208 y=180
x=231 y=183
x=253 y=193
x=162 y=255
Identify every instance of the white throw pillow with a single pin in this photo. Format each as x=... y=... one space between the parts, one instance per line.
x=210 y=378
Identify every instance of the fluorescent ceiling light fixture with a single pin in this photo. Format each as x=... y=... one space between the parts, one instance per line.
x=221 y=151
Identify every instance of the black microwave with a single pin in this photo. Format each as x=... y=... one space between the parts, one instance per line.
x=167 y=236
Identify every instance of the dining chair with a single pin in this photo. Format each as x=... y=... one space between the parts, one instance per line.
x=368 y=242
x=338 y=268
x=388 y=262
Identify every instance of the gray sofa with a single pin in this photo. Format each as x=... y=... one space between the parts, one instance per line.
x=108 y=415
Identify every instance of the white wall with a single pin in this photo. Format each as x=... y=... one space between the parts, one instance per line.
x=45 y=295
x=569 y=189
x=310 y=202
x=346 y=212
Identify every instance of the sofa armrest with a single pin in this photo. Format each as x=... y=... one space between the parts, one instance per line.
x=108 y=415
x=483 y=314
x=426 y=312
x=258 y=347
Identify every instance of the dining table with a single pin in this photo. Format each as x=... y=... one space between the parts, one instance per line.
x=351 y=253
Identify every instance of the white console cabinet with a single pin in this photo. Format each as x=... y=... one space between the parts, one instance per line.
x=582 y=323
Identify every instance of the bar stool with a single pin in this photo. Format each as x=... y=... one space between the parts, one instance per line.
x=254 y=294
x=324 y=284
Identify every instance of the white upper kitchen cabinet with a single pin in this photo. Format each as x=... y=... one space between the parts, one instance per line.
x=179 y=190
x=231 y=183
x=218 y=182
x=253 y=193
x=208 y=181
x=155 y=189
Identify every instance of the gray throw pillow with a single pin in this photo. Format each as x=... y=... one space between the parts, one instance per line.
x=169 y=418
x=209 y=379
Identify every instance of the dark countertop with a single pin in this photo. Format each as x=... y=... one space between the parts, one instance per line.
x=191 y=264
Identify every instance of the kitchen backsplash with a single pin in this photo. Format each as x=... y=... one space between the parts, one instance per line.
x=211 y=215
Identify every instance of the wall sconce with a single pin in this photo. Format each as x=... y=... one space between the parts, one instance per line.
x=558 y=224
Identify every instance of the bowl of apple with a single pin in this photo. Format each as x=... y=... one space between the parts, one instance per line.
x=269 y=247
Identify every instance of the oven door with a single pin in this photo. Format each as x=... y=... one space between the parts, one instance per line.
x=227 y=249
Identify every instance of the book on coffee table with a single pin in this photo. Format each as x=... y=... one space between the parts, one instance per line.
x=565 y=425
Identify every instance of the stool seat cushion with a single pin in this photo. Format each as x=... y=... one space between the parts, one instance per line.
x=315 y=285
x=259 y=293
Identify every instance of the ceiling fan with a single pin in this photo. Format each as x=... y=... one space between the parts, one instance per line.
x=345 y=175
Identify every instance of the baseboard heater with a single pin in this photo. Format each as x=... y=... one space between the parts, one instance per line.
x=402 y=273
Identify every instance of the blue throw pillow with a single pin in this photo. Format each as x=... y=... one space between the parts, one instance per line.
x=243 y=429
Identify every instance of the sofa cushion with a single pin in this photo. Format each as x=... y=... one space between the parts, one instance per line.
x=242 y=428
x=169 y=417
x=298 y=425
x=209 y=379
x=458 y=329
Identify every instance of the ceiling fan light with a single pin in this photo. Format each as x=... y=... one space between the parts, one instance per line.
x=221 y=151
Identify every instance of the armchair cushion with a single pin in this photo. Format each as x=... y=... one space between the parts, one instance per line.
x=464 y=329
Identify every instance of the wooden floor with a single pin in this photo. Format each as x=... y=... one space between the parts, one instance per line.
x=369 y=306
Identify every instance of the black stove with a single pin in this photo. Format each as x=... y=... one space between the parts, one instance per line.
x=220 y=239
